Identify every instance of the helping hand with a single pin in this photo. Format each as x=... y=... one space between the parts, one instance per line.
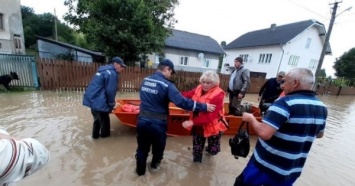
x=187 y=124
x=247 y=116
x=210 y=107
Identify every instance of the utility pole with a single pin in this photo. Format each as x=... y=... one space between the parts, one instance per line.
x=55 y=26
x=326 y=42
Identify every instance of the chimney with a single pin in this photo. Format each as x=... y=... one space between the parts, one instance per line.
x=273 y=27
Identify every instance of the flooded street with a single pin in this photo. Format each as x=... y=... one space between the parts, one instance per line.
x=64 y=126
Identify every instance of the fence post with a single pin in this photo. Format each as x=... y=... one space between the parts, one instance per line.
x=34 y=73
x=341 y=86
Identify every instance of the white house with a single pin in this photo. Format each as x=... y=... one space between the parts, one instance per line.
x=11 y=29
x=190 y=52
x=278 y=48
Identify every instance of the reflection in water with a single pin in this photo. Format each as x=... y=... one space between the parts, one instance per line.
x=63 y=125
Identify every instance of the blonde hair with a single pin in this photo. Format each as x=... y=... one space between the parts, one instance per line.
x=211 y=76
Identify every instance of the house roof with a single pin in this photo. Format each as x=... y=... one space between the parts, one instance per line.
x=276 y=35
x=191 y=41
x=83 y=50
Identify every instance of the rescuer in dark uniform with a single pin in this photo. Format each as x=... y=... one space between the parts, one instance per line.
x=155 y=94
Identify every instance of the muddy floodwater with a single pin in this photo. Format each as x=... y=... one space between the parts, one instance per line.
x=64 y=126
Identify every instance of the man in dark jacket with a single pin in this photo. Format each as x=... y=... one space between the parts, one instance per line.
x=156 y=92
x=100 y=96
x=270 y=91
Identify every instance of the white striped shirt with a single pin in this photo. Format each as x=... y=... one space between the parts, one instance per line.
x=20 y=158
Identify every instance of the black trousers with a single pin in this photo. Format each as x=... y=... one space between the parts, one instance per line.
x=101 y=125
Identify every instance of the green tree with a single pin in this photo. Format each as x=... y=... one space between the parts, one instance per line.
x=345 y=65
x=221 y=57
x=129 y=28
x=223 y=44
x=322 y=73
x=43 y=25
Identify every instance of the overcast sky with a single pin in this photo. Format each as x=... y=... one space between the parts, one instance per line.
x=226 y=20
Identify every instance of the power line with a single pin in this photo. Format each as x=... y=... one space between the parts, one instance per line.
x=309 y=10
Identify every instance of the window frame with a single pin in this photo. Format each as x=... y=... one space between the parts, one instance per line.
x=293 y=60
x=313 y=64
x=184 y=61
x=265 y=58
x=206 y=61
x=2 y=27
x=244 y=57
x=308 y=43
x=17 y=42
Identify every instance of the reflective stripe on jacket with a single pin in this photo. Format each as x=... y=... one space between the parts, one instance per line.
x=215 y=126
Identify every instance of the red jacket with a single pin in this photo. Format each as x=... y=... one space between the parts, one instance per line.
x=208 y=120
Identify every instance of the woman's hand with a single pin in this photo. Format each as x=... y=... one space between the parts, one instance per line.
x=187 y=124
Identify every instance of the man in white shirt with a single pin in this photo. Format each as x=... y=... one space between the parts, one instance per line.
x=19 y=157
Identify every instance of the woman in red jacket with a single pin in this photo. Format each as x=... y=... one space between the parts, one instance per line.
x=206 y=125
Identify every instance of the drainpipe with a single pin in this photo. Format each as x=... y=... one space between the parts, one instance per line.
x=282 y=55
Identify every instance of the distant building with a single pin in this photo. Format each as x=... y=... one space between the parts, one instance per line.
x=11 y=29
x=278 y=48
x=49 y=48
x=191 y=52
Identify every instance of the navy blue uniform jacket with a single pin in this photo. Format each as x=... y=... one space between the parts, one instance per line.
x=101 y=92
x=157 y=91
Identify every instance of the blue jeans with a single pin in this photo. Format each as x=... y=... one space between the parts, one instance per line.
x=253 y=176
x=151 y=133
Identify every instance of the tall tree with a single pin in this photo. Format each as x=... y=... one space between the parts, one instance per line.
x=345 y=65
x=223 y=44
x=43 y=25
x=128 y=28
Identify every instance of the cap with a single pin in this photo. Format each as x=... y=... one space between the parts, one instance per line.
x=119 y=61
x=281 y=73
x=239 y=59
x=169 y=63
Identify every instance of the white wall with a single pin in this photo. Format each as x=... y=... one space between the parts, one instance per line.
x=296 y=47
x=12 y=20
x=194 y=63
x=253 y=63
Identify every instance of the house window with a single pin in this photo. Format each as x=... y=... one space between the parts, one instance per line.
x=313 y=64
x=1 y=21
x=308 y=43
x=206 y=63
x=244 y=57
x=293 y=60
x=0 y=45
x=183 y=61
x=265 y=58
x=17 y=41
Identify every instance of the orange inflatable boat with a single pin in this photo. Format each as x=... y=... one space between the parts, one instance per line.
x=128 y=109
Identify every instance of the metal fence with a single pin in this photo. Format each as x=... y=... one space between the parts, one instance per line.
x=24 y=66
